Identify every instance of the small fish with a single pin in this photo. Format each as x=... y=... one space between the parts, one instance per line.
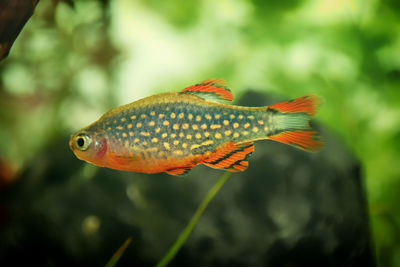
x=173 y=132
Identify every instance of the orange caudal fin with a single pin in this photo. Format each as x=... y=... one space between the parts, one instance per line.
x=291 y=122
x=306 y=140
x=308 y=104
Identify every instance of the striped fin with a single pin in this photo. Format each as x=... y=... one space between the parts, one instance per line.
x=232 y=157
x=308 y=104
x=212 y=90
x=305 y=140
x=179 y=170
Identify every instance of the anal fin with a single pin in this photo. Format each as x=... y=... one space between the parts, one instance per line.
x=238 y=166
x=232 y=157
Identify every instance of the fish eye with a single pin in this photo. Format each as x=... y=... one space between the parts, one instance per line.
x=82 y=142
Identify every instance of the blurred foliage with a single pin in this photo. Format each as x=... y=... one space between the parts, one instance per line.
x=73 y=62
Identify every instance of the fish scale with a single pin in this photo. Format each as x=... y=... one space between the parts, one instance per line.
x=215 y=126
x=173 y=132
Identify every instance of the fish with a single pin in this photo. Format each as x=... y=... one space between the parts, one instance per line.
x=175 y=131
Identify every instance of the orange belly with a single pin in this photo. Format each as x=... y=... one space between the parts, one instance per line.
x=152 y=165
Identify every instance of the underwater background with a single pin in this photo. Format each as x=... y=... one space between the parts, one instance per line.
x=74 y=60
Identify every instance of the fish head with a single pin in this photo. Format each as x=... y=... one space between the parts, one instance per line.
x=89 y=145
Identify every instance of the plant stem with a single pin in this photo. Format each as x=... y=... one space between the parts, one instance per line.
x=193 y=221
x=117 y=255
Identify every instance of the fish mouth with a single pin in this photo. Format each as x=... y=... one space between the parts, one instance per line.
x=71 y=143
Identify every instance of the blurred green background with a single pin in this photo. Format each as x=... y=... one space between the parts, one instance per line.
x=75 y=60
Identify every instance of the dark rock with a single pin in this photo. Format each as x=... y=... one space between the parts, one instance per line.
x=290 y=208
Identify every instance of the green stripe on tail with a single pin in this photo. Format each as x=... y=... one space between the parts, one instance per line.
x=292 y=123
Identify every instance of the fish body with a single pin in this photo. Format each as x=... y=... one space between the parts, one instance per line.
x=173 y=132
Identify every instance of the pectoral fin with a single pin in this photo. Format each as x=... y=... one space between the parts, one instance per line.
x=179 y=171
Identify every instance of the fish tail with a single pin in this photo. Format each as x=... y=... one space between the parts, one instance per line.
x=291 y=123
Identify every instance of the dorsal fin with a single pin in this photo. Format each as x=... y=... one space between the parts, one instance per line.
x=211 y=89
x=232 y=157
